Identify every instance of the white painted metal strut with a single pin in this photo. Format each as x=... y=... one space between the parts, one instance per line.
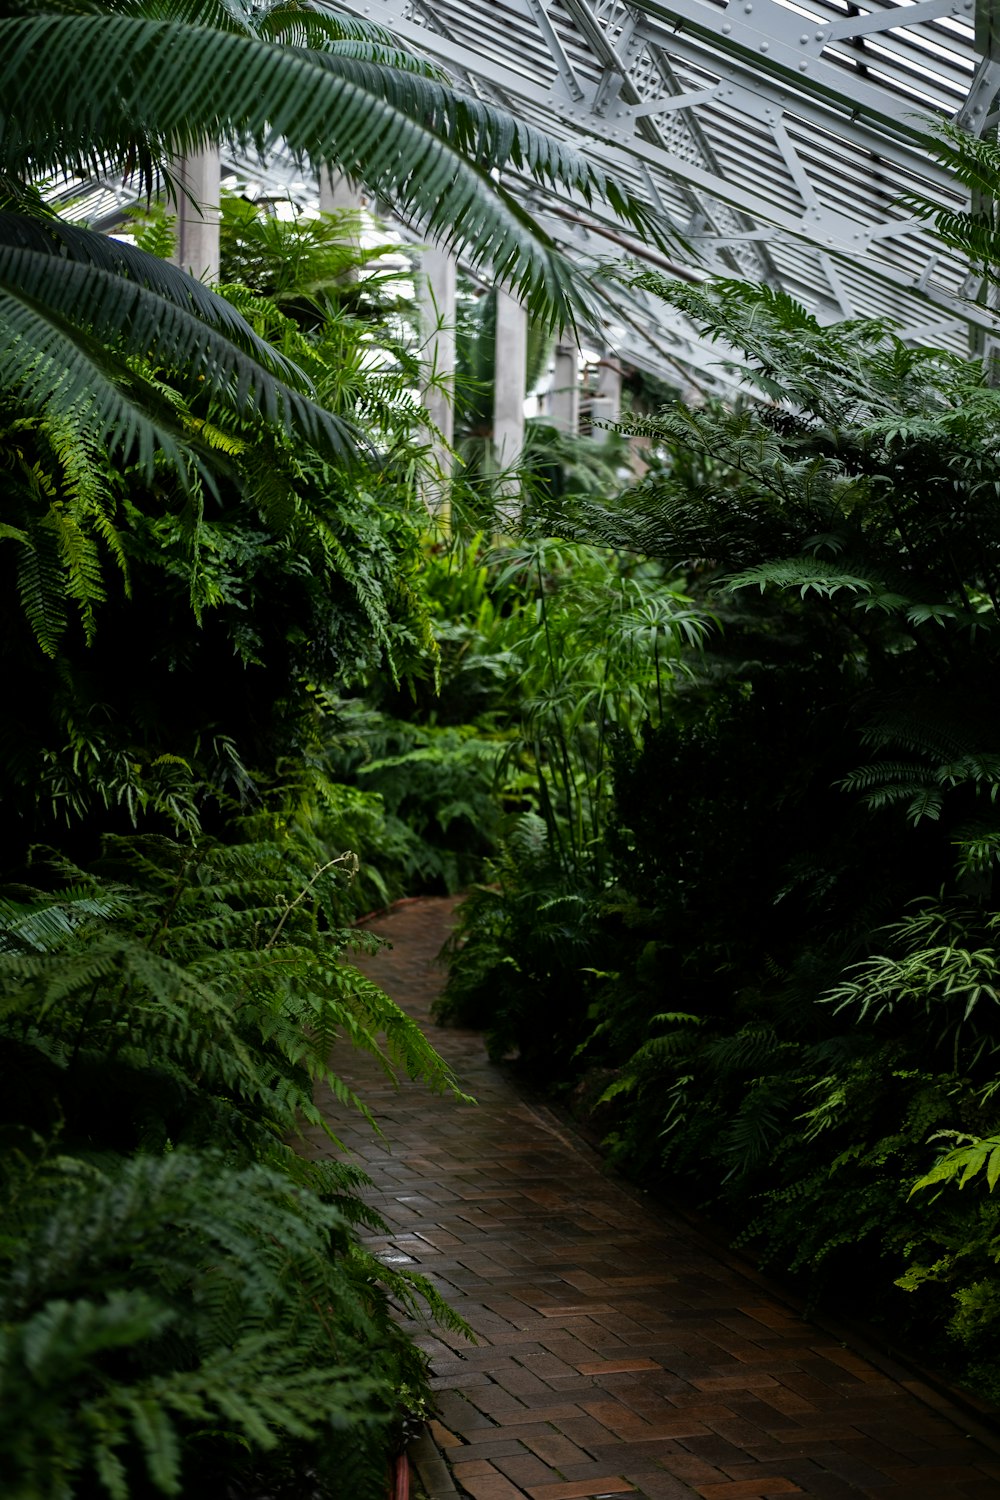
x=759 y=126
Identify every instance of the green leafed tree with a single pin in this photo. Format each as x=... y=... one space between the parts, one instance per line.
x=793 y=1003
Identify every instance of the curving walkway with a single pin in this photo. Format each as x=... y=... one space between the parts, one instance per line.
x=618 y=1353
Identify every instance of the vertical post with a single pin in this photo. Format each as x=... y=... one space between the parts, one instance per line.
x=339 y=195
x=437 y=287
x=565 y=393
x=509 y=379
x=606 y=403
x=198 y=178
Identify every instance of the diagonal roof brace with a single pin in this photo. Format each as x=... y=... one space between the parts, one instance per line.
x=784 y=44
x=777 y=133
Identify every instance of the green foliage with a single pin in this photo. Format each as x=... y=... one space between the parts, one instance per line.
x=208 y=979
x=81 y=316
x=161 y=1316
x=932 y=970
x=964 y=1162
x=195 y=568
x=597 y=646
x=180 y=1290
x=210 y=616
x=782 y=988
x=518 y=952
x=475 y=362
x=967 y=224
x=570 y=652
x=305 y=263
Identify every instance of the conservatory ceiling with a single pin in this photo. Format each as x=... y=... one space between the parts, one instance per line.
x=777 y=135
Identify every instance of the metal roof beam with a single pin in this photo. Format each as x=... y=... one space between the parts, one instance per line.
x=825 y=229
x=784 y=44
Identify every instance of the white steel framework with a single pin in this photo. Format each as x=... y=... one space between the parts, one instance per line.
x=777 y=135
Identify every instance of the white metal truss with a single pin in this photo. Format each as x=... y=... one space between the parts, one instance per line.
x=777 y=135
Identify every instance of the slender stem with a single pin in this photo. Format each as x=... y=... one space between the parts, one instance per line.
x=568 y=790
x=81 y=1030
x=347 y=858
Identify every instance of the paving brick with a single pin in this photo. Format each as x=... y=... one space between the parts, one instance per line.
x=825 y=1486
x=643 y=1454
x=715 y=1450
x=522 y=1384
x=461 y=1380
x=525 y=1469
x=733 y=1428
x=435 y=1475
x=654 y=1484
x=694 y=1470
x=748 y=1489
x=584 y=1430
x=441 y=1435
x=579 y=1489
x=458 y=1416
x=801 y=1470
x=499 y=1447
x=557 y=1450
x=616 y=1366
x=492 y=1487
x=566 y=1385
x=620 y=1419
x=615 y=1347
x=855 y=1470
x=496 y=1403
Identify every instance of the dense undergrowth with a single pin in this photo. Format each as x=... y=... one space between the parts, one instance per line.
x=186 y=1307
x=716 y=753
x=763 y=958
x=213 y=533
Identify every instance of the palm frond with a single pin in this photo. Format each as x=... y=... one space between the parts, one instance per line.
x=77 y=311
x=408 y=137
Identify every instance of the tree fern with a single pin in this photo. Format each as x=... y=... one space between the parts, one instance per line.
x=192 y=1000
x=74 y=308
x=215 y=966
x=969 y=227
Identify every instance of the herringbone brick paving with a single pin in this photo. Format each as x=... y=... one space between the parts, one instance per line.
x=617 y=1353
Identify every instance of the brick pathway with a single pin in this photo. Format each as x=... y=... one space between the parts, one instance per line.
x=617 y=1352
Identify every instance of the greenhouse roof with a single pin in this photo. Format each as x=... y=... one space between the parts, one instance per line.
x=777 y=135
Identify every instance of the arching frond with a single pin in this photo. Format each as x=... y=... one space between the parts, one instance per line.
x=80 y=314
x=407 y=136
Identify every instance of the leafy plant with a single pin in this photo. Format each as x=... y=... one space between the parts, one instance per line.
x=165 y=1318
x=82 y=315
x=181 y=1294
x=788 y=997
x=208 y=979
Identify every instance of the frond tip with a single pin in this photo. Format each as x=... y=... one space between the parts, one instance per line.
x=82 y=317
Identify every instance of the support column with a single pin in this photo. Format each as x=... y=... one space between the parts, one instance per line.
x=564 y=397
x=437 y=285
x=198 y=176
x=339 y=195
x=606 y=403
x=509 y=379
